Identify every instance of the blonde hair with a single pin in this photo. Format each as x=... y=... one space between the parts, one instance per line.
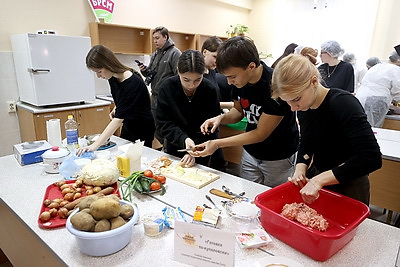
x=310 y=53
x=293 y=75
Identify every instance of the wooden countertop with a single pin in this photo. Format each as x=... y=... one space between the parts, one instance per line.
x=22 y=189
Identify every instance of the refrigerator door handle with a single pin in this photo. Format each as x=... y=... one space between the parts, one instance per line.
x=32 y=70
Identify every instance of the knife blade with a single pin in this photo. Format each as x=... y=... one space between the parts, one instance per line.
x=221 y=193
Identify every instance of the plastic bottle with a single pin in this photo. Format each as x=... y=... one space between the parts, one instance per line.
x=71 y=130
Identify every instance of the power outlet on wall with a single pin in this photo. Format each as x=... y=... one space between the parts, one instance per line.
x=12 y=106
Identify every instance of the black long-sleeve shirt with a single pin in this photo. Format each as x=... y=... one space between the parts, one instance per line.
x=179 y=116
x=338 y=137
x=339 y=76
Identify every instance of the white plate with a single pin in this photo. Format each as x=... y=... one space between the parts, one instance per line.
x=277 y=261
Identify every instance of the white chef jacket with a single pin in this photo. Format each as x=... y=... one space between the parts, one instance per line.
x=379 y=87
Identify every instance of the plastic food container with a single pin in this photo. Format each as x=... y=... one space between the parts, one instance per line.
x=344 y=214
x=104 y=243
x=153 y=224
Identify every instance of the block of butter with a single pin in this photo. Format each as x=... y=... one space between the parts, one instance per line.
x=206 y=216
x=123 y=165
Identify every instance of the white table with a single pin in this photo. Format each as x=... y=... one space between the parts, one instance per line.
x=22 y=189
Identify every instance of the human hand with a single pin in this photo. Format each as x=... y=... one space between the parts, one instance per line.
x=112 y=114
x=82 y=150
x=187 y=161
x=204 y=149
x=142 y=67
x=189 y=143
x=310 y=192
x=210 y=125
x=298 y=179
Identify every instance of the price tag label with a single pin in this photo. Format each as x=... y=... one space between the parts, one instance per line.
x=200 y=245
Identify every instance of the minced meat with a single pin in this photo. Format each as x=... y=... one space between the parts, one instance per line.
x=305 y=215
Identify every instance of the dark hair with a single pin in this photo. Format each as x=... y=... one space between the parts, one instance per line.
x=101 y=57
x=164 y=31
x=288 y=50
x=211 y=44
x=238 y=52
x=191 y=61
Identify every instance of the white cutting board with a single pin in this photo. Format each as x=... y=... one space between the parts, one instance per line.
x=192 y=176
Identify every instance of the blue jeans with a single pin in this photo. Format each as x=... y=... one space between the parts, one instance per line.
x=269 y=173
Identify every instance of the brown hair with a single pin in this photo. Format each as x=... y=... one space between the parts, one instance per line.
x=237 y=52
x=311 y=54
x=211 y=44
x=164 y=31
x=293 y=75
x=101 y=57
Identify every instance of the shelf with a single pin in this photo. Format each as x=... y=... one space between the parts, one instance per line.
x=183 y=41
x=121 y=39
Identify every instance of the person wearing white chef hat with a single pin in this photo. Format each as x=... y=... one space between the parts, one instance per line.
x=337 y=147
x=379 y=88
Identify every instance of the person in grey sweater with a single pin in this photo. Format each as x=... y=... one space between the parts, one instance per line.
x=163 y=64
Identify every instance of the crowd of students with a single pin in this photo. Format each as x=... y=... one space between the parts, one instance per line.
x=194 y=92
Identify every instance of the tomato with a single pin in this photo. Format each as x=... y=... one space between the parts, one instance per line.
x=160 y=178
x=148 y=173
x=155 y=186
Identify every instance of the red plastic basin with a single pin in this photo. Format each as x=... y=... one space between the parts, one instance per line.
x=344 y=214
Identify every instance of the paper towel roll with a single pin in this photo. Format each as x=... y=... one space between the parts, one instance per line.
x=54 y=132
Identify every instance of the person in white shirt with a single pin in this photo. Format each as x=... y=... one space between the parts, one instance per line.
x=379 y=88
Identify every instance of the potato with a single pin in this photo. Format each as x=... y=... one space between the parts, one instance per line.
x=126 y=211
x=117 y=222
x=83 y=221
x=102 y=225
x=85 y=202
x=113 y=196
x=105 y=208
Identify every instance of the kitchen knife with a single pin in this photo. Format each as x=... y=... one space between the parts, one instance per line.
x=221 y=193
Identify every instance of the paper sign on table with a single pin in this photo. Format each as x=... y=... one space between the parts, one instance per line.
x=203 y=246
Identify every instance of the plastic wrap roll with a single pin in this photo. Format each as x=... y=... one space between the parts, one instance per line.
x=54 y=132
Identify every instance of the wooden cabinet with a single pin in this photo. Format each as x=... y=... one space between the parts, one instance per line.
x=129 y=40
x=391 y=124
x=183 y=41
x=92 y=120
x=122 y=39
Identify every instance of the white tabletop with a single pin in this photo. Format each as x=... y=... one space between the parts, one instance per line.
x=375 y=244
x=389 y=142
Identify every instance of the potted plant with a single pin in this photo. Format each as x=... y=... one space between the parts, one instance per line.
x=239 y=29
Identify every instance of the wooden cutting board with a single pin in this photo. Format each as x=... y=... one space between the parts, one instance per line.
x=192 y=176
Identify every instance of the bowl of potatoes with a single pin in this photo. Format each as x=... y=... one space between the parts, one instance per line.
x=102 y=225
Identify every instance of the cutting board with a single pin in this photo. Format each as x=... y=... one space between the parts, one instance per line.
x=192 y=176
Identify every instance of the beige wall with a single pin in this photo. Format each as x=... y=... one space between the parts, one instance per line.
x=387 y=29
x=71 y=17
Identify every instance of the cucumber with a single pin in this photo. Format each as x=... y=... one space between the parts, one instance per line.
x=138 y=187
x=145 y=185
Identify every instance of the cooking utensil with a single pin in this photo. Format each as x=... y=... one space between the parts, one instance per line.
x=220 y=193
x=228 y=191
x=185 y=150
x=212 y=202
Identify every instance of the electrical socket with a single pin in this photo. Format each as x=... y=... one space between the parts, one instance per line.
x=12 y=106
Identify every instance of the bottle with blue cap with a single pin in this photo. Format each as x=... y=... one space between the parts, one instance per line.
x=71 y=130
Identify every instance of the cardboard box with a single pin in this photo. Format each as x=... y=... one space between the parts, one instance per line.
x=30 y=152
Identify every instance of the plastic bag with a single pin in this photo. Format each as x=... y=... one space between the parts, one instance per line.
x=69 y=169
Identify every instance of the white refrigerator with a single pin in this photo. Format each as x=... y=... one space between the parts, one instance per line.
x=51 y=69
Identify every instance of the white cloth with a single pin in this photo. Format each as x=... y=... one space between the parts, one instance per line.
x=359 y=73
x=379 y=87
